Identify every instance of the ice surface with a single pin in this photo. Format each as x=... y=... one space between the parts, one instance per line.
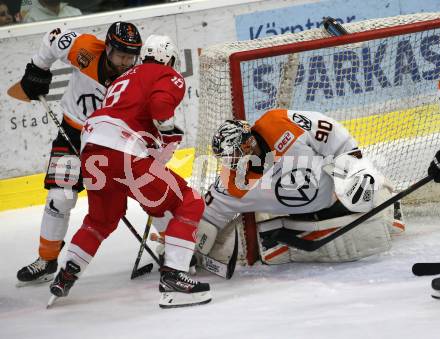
x=374 y=298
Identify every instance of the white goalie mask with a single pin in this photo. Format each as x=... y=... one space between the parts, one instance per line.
x=161 y=49
x=227 y=141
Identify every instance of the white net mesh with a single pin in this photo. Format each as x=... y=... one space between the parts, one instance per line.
x=385 y=91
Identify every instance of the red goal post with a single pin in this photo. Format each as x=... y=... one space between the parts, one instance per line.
x=380 y=81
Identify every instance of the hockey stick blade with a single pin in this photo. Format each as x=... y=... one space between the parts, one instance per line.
x=142 y=271
x=426 y=268
x=313 y=245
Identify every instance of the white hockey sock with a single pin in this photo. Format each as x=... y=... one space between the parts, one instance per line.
x=78 y=256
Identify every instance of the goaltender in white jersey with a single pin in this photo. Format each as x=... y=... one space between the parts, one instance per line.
x=305 y=167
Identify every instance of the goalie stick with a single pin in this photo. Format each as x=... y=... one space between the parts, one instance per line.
x=426 y=268
x=313 y=245
x=16 y=91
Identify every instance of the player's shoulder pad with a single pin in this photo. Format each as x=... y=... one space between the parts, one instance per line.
x=170 y=78
x=86 y=49
x=159 y=70
x=268 y=118
x=278 y=130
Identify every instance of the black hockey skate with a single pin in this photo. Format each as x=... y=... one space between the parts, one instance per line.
x=179 y=290
x=435 y=293
x=39 y=271
x=63 y=282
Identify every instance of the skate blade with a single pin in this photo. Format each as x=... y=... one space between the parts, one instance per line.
x=51 y=301
x=41 y=280
x=179 y=299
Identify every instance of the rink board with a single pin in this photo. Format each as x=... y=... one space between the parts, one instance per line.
x=29 y=190
x=398 y=125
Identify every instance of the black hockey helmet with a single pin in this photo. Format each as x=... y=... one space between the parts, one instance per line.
x=124 y=37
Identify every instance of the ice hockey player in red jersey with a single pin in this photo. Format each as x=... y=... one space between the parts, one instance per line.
x=95 y=65
x=304 y=172
x=121 y=158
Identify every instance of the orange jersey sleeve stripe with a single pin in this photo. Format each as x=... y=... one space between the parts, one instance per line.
x=228 y=178
x=85 y=54
x=73 y=123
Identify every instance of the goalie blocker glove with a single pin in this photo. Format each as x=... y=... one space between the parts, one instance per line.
x=434 y=168
x=35 y=81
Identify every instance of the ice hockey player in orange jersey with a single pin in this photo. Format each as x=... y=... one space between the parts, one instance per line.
x=95 y=65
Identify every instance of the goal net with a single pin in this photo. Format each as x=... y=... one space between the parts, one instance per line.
x=380 y=80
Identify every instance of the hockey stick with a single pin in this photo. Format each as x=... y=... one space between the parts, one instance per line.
x=147 y=268
x=66 y=137
x=313 y=245
x=426 y=268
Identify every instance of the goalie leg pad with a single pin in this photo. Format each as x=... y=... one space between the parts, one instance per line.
x=367 y=239
x=371 y=237
x=206 y=236
x=272 y=252
x=224 y=243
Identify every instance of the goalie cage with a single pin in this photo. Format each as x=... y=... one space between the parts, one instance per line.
x=380 y=81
